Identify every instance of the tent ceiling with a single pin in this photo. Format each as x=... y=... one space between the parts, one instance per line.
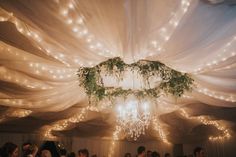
x=42 y=47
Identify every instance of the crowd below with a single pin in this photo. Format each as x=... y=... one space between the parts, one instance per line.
x=50 y=150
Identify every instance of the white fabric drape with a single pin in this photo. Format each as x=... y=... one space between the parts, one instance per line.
x=43 y=43
x=198 y=45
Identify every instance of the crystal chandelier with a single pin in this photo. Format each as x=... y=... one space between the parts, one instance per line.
x=134 y=118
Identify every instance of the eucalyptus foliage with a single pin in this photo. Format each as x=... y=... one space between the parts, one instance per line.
x=173 y=82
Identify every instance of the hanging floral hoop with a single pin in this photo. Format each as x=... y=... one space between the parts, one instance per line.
x=172 y=82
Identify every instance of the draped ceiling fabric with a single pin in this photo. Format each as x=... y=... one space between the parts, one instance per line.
x=43 y=43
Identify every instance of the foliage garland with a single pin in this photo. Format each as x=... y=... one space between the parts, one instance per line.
x=173 y=82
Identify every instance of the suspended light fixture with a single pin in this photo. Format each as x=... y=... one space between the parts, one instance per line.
x=134 y=117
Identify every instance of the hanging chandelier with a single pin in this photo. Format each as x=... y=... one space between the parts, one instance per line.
x=134 y=118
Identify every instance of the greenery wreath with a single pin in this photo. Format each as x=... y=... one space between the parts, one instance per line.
x=173 y=82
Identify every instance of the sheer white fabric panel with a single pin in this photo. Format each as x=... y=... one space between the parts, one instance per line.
x=201 y=42
x=43 y=43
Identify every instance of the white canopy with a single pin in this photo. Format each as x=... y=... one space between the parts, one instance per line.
x=43 y=43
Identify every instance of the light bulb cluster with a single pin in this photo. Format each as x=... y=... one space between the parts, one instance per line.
x=206 y=121
x=63 y=124
x=40 y=69
x=166 y=31
x=101 y=106
x=24 y=81
x=80 y=30
x=78 y=27
x=225 y=132
x=115 y=137
x=19 y=113
x=16 y=102
x=31 y=33
x=224 y=54
x=216 y=95
x=187 y=96
x=158 y=128
x=57 y=73
x=10 y=51
x=226 y=135
x=15 y=113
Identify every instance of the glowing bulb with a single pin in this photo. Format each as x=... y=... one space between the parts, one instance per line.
x=79 y=20
x=228 y=44
x=88 y=40
x=37 y=72
x=163 y=29
x=85 y=31
x=154 y=43
x=91 y=47
x=28 y=33
x=64 y=12
x=99 y=45
x=61 y=55
x=71 y=6
x=151 y=54
x=21 y=30
x=176 y=23
x=214 y=62
x=223 y=59
x=167 y=38
x=75 y=29
x=2 y=19
x=159 y=49
x=69 y=21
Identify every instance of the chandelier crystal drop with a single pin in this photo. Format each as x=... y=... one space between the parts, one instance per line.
x=134 y=118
